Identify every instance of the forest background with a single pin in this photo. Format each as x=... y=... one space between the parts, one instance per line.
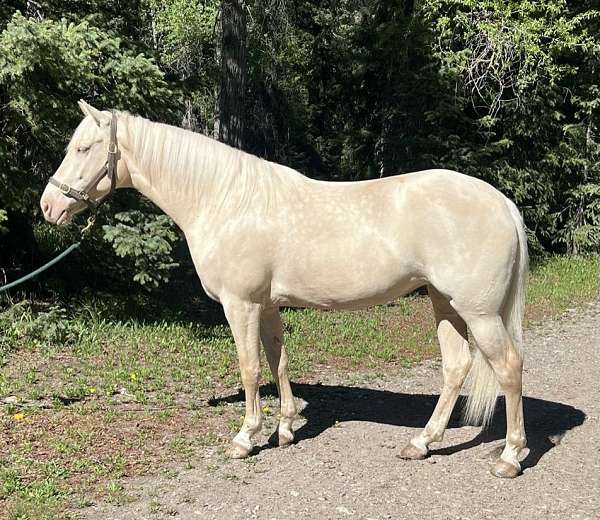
x=506 y=91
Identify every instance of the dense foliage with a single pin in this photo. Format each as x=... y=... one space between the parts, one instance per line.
x=343 y=90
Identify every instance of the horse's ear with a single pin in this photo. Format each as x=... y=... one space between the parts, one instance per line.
x=98 y=116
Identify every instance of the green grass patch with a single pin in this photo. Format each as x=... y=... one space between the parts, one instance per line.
x=559 y=283
x=401 y=333
x=93 y=393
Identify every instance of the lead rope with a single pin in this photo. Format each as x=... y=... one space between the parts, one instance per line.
x=84 y=232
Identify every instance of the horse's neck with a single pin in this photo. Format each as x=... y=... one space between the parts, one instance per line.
x=201 y=183
x=183 y=189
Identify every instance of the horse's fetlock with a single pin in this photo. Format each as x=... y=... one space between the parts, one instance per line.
x=253 y=424
x=288 y=411
x=436 y=437
x=517 y=439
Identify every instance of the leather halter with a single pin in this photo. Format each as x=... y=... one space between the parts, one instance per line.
x=108 y=170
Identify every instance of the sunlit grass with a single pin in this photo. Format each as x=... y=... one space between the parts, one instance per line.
x=558 y=283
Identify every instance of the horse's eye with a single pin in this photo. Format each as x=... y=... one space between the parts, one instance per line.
x=83 y=149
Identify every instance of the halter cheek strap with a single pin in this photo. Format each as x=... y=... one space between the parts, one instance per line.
x=109 y=169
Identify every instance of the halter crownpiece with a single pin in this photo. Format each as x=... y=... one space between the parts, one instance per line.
x=108 y=170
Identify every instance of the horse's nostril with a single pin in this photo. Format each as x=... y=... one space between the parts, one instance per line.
x=45 y=207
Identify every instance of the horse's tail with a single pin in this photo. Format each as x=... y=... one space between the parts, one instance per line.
x=484 y=385
x=514 y=306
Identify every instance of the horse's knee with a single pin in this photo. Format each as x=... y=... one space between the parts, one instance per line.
x=455 y=376
x=250 y=373
x=456 y=364
x=282 y=368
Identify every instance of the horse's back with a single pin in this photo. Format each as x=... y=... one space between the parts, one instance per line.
x=351 y=244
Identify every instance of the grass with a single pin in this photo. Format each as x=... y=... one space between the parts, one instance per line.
x=559 y=283
x=92 y=395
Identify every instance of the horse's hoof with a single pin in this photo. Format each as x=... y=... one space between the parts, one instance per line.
x=503 y=469
x=281 y=438
x=285 y=438
x=411 y=452
x=237 y=451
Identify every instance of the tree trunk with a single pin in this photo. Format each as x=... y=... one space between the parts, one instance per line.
x=233 y=72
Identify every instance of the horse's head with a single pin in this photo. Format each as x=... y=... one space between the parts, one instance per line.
x=88 y=173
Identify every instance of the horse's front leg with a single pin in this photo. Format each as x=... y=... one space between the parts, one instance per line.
x=271 y=332
x=244 y=320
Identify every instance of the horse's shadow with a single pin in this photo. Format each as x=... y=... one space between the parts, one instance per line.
x=546 y=422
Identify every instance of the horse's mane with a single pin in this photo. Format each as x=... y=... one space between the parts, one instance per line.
x=198 y=164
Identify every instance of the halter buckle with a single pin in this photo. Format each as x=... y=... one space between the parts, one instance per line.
x=65 y=188
x=112 y=148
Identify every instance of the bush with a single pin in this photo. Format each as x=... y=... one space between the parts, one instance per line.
x=25 y=324
x=148 y=241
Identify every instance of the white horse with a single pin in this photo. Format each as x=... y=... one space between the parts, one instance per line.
x=263 y=236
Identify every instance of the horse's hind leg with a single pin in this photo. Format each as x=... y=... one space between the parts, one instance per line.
x=507 y=363
x=271 y=333
x=456 y=362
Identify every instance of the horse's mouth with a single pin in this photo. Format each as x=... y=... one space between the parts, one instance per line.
x=64 y=217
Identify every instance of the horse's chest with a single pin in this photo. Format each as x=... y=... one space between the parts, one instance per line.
x=209 y=289
x=211 y=278
x=233 y=271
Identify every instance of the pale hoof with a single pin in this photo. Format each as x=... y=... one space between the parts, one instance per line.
x=503 y=469
x=281 y=438
x=237 y=451
x=285 y=438
x=411 y=452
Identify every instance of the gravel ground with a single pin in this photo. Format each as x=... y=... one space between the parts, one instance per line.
x=345 y=462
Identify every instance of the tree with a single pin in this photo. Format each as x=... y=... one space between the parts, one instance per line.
x=45 y=66
x=505 y=91
x=233 y=72
x=183 y=37
x=522 y=74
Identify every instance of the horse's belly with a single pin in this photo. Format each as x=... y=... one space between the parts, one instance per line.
x=339 y=288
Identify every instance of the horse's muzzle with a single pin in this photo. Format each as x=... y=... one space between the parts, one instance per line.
x=56 y=208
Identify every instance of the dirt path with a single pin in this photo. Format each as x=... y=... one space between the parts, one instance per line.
x=345 y=464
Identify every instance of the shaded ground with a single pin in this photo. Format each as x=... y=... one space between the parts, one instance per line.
x=344 y=464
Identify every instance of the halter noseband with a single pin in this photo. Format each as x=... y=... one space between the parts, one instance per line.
x=107 y=170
